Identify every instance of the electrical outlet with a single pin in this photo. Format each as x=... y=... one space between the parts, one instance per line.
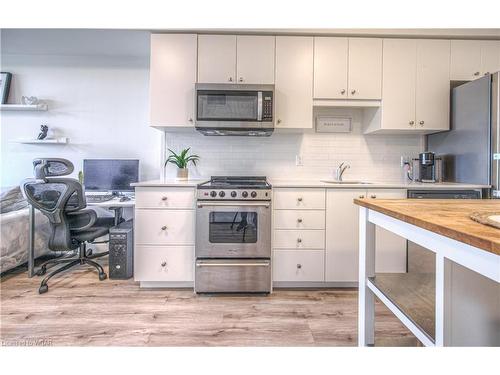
x=298 y=160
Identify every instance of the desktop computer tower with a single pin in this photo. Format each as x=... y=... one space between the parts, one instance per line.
x=121 y=251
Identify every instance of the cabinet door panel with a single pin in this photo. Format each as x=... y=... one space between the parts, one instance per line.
x=398 y=92
x=164 y=227
x=433 y=84
x=390 y=250
x=299 y=219
x=163 y=263
x=216 y=58
x=342 y=237
x=294 y=82
x=330 y=68
x=298 y=265
x=299 y=198
x=255 y=59
x=172 y=78
x=490 y=57
x=465 y=60
x=365 y=68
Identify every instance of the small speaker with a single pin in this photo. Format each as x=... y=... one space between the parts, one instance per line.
x=121 y=251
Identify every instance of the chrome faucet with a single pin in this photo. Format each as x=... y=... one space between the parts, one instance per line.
x=339 y=172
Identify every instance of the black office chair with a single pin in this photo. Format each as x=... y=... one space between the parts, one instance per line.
x=73 y=225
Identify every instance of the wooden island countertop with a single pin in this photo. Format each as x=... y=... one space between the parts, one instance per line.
x=447 y=217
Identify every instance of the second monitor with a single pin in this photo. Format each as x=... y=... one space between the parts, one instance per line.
x=114 y=175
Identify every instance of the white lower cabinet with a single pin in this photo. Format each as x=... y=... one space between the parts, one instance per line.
x=164 y=263
x=299 y=265
x=342 y=236
x=164 y=229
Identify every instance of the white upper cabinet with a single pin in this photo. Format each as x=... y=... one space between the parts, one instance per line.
x=433 y=85
x=416 y=86
x=365 y=68
x=172 y=78
x=347 y=68
x=255 y=59
x=398 y=95
x=294 y=82
x=217 y=58
x=330 y=67
x=471 y=59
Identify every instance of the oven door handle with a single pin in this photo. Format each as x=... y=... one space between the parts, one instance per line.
x=229 y=204
x=211 y=264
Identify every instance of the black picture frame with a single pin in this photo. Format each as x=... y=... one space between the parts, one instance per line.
x=5 y=78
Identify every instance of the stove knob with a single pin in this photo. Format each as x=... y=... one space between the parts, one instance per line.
x=213 y=194
x=253 y=194
x=233 y=194
x=244 y=194
x=221 y=194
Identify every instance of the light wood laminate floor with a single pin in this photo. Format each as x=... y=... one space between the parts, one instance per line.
x=80 y=310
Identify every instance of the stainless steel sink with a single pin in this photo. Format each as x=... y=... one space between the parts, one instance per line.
x=346 y=182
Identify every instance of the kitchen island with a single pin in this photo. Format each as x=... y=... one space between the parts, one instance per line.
x=443 y=227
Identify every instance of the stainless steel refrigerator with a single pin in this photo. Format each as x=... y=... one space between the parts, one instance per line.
x=471 y=149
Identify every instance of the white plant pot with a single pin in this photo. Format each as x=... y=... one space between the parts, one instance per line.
x=182 y=173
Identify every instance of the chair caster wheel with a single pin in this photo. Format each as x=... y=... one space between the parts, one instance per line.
x=41 y=272
x=102 y=276
x=89 y=252
x=43 y=289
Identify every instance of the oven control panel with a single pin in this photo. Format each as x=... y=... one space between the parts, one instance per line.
x=234 y=194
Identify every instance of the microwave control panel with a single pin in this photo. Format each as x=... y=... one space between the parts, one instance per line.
x=267 y=106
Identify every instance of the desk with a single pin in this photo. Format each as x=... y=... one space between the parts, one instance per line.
x=443 y=227
x=112 y=203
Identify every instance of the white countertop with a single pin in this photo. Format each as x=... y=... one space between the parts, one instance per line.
x=318 y=183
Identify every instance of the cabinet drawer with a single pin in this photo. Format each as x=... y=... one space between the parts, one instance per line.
x=299 y=239
x=163 y=263
x=159 y=197
x=298 y=265
x=164 y=227
x=299 y=219
x=299 y=199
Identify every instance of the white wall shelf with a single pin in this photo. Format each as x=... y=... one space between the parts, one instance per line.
x=23 y=107
x=59 y=141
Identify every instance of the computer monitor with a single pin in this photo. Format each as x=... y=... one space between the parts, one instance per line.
x=110 y=174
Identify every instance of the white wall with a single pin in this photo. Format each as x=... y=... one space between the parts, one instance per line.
x=96 y=85
x=372 y=157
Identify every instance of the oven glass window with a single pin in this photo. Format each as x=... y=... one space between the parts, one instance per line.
x=234 y=105
x=232 y=227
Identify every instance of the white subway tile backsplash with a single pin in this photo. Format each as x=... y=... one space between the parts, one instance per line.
x=371 y=157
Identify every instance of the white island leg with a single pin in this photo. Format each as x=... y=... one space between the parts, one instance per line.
x=366 y=299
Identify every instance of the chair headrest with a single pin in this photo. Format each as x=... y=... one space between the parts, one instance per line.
x=52 y=167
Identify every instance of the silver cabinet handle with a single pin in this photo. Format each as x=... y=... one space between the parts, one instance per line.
x=353 y=92
x=190 y=119
x=421 y=123
x=342 y=91
x=361 y=196
x=299 y=266
x=486 y=73
x=412 y=122
x=373 y=196
x=299 y=220
x=164 y=198
x=230 y=79
x=278 y=121
x=299 y=199
x=163 y=264
x=476 y=73
x=241 y=79
x=299 y=240
x=164 y=227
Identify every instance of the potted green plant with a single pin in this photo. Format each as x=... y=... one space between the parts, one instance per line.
x=182 y=160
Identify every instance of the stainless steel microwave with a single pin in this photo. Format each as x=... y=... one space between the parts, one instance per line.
x=231 y=109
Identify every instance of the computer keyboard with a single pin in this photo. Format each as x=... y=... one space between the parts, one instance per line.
x=98 y=198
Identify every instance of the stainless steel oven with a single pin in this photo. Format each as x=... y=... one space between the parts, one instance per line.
x=231 y=109
x=233 y=229
x=233 y=236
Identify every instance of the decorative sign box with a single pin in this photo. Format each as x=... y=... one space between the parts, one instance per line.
x=333 y=124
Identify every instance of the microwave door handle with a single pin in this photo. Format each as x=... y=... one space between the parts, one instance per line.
x=259 y=106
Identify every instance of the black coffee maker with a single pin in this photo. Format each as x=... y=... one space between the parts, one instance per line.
x=427 y=168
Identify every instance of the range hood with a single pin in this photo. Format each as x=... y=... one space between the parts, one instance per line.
x=235 y=110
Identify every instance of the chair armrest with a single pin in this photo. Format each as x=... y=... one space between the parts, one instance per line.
x=92 y=218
